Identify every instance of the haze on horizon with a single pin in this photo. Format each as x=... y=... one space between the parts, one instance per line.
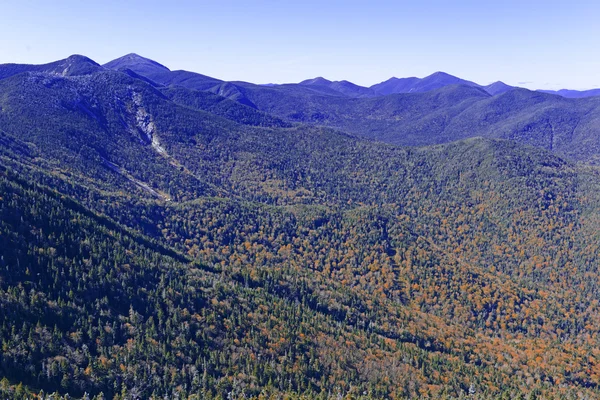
x=533 y=44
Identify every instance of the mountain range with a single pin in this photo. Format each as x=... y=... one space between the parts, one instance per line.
x=411 y=111
x=157 y=72
x=574 y=94
x=165 y=234
x=161 y=74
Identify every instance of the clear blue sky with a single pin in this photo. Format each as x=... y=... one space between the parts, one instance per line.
x=536 y=44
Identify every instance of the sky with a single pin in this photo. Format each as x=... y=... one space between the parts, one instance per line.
x=529 y=43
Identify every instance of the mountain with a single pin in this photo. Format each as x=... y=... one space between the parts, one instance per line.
x=229 y=91
x=574 y=94
x=140 y=65
x=159 y=241
x=222 y=106
x=567 y=126
x=318 y=86
x=161 y=74
x=344 y=87
x=434 y=81
x=498 y=87
x=318 y=81
x=440 y=108
x=438 y=80
x=384 y=118
x=71 y=66
x=158 y=73
x=395 y=85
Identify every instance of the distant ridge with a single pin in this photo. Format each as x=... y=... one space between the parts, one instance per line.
x=573 y=94
x=434 y=81
x=344 y=87
x=316 y=81
x=158 y=74
x=395 y=85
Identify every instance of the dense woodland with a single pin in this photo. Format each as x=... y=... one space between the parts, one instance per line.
x=160 y=242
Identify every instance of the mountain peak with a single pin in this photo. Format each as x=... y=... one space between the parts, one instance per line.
x=76 y=64
x=394 y=79
x=316 y=81
x=439 y=79
x=78 y=58
x=440 y=74
x=343 y=87
x=135 y=62
x=497 y=87
x=395 y=85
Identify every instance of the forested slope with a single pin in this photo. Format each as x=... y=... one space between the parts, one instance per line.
x=157 y=245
